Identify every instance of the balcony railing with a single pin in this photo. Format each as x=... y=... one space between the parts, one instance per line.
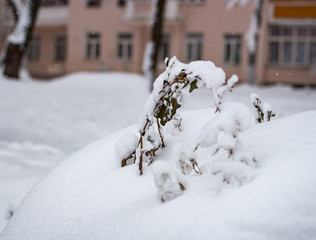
x=141 y=10
x=52 y=16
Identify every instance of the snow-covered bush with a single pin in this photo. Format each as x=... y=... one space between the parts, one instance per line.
x=264 y=111
x=221 y=134
x=166 y=180
x=166 y=99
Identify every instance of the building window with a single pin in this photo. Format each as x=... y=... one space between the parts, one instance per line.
x=93 y=3
x=60 y=48
x=292 y=45
x=125 y=46
x=34 y=47
x=232 y=49
x=193 y=47
x=164 y=47
x=93 y=46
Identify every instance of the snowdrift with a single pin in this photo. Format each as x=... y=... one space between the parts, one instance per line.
x=88 y=196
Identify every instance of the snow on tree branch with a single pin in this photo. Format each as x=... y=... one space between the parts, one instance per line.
x=19 y=34
x=253 y=30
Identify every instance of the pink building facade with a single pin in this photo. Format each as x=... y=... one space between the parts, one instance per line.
x=111 y=35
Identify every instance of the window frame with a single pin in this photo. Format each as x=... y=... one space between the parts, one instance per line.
x=124 y=46
x=234 y=41
x=34 y=48
x=60 y=48
x=164 y=50
x=293 y=38
x=93 y=46
x=194 y=41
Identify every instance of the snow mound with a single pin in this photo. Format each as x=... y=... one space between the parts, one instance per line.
x=89 y=197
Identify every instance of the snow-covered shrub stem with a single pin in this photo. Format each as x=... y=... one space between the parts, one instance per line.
x=264 y=111
x=166 y=99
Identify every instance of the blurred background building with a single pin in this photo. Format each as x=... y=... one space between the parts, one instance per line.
x=111 y=35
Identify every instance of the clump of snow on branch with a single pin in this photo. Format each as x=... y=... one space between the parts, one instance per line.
x=264 y=110
x=126 y=145
x=233 y=172
x=166 y=181
x=185 y=159
x=222 y=134
x=19 y=34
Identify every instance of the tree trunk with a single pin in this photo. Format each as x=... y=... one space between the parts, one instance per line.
x=33 y=6
x=252 y=53
x=12 y=61
x=156 y=36
x=15 y=52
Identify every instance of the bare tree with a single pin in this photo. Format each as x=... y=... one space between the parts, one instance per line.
x=25 y=13
x=252 y=38
x=152 y=50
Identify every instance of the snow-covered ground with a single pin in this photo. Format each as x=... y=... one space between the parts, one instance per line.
x=43 y=123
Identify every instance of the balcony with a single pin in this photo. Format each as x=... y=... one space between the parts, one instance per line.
x=140 y=11
x=52 y=16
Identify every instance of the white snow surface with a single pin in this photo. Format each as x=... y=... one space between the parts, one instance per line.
x=89 y=197
x=43 y=123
